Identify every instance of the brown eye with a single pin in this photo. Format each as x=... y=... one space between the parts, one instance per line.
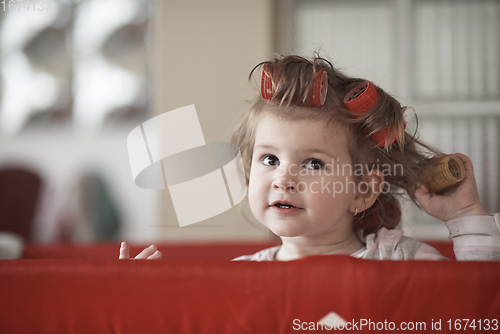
x=314 y=164
x=270 y=160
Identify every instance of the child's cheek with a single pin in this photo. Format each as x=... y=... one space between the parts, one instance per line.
x=328 y=186
x=255 y=191
x=257 y=201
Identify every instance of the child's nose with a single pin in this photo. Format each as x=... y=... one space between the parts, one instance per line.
x=283 y=184
x=285 y=178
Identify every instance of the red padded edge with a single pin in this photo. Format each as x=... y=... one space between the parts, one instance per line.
x=111 y=296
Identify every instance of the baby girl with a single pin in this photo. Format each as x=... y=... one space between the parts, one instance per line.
x=326 y=157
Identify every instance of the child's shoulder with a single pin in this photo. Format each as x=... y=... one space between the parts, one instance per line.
x=388 y=244
x=263 y=255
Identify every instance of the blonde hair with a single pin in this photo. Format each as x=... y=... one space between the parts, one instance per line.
x=292 y=77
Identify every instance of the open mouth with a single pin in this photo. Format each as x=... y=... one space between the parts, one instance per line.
x=284 y=206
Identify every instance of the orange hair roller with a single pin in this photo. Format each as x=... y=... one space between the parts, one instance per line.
x=444 y=173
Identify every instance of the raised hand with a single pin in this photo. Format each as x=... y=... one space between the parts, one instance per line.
x=149 y=253
x=458 y=202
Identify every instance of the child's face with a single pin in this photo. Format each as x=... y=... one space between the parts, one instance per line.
x=286 y=166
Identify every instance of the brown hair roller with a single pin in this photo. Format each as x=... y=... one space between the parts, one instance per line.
x=444 y=173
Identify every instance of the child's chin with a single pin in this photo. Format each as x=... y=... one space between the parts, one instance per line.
x=286 y=232
x=286 y=229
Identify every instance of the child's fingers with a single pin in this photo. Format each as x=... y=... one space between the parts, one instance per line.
x=423 y=196
x=124 y=251
x=469 y=170
x=146 y=253
x=156 y=256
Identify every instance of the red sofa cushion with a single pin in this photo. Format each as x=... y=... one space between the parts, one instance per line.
x=195 y=251
x=218 y=296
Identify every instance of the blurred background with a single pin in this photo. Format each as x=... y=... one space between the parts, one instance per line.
x=78 y=76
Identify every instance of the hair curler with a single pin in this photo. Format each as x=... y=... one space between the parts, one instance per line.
x=319 y=89
x=266 y=84
x=381 y=137
x=361 y=98
x=444 y=173
x=317 y=93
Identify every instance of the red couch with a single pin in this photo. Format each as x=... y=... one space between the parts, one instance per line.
x=197 y=290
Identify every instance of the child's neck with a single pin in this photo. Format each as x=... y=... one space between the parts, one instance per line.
x=300 y=247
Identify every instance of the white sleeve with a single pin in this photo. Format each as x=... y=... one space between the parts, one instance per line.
x=476 y=237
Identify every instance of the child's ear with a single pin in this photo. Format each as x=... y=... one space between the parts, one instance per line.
x=367 y=191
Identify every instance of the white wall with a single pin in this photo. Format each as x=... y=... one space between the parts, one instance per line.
x=208 y=50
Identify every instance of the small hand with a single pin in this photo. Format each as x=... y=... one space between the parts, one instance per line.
x=149 y=253
x=460 y=202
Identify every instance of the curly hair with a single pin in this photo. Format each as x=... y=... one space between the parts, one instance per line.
x=292 y=78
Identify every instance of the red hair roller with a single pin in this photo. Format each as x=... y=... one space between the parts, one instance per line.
x=361 y=98
x=381 y=137
x=266 y=84
x=316 y=96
